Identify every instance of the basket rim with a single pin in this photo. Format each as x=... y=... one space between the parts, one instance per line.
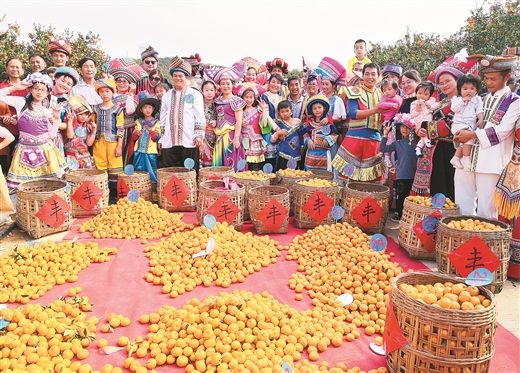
x=383 y=188
x=430 y=208
x=208 y=182
x=26 y=183
x=448 y=219
x=174 y=170
x=443 y=360
x=283 y=190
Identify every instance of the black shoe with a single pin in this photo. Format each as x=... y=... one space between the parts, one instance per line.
x=396 y=218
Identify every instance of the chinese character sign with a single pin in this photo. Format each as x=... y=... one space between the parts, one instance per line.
x=175 y=191
x=122 y=189
x=54 y=212
x=87 y=195
x=393 y=337
x=224 y=210
x=273 y=215
x=473 y=255
x=318 y=206
x=367 y=213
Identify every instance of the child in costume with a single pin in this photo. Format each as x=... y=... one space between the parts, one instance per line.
x=288 y=136
x=81 y=132
x=422 y=111
x=272 y=97
x=206 y=155
x=147 y=132
x=360 y=50
x=108 y=144
x=36 y=156
x=469 y=115
x=319 y=134
x=390 y=100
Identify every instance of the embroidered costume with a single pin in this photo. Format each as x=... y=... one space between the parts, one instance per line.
x=210 y=113
x=145 y=151
x=290 y=147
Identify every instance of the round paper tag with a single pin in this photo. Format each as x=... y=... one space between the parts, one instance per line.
x=345 y=299
x=377 y=349
x=189 y=163
x=291 y=163
x=133 y=195
x=241 y=164
x=337 y=212
x=286 y=368
x=268 y=168
x=349 y=169
x=479 y=277
x=210 y=221
x=73 y=164
x=429 y=224
x=80 y=131
x=438 y=200
x=129 y=170
x=325 y=130
x=210 y=246
x=378 y=242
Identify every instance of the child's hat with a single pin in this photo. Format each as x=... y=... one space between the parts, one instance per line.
x=177 y=64
x=406 y=119
x=36 y=78
x=278 y=62
x=105 y=83
x=60 y=45
x=125 y=68
x=319 y=98
x=457 y=66
x=332 y=70
x=353 y=77
x=392 y=68
x=250 y=86
x=79 y=105
x=67 y=71
x=155 y=103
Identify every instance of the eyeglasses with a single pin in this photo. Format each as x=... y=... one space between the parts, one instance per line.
x=41 y=90
x=150 y=62
x=155 y=79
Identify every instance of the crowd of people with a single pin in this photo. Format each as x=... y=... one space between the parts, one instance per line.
x=439 y=133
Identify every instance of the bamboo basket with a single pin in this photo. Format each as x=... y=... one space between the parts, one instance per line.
x=208 y=196
x=98 y=178
x=31 y=196
x=189 y=177
x=447 y=334
x=221 y=171
x=140 y=181
x=302 y=193
x=412 y=214
x=323 y=174
x=249 y=184
x=289 y=183
x=354 y=193
x=449 y=239
x=259 y=197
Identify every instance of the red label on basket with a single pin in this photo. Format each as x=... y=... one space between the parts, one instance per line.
x=87 y=195
x=426 y=231
x=224 y=210
x=393 y=337
x=318 y=206
x=273 y=215
x=176 y=191
x=122 y=189
x=472 y=255
x=367 y=213
x=54 y=212
x=214 y=177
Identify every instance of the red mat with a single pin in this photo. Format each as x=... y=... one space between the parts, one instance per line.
x=119 y=286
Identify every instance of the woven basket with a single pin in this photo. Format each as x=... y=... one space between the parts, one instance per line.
x=208 y=196
x=31 y=196
x=249 y=184
x=189 y=177
x=449 y=334
x=302 y=193
x=221 y=171
x=354 y=193
x=259 y=197
x=322 y=174
x=412 y=214
x=449 y=239
x=289 y=183
x=98 y=178
x=140 y=181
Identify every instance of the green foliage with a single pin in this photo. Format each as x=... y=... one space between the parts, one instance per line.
x=483 y=33
x=297 y=72
x=82 y=46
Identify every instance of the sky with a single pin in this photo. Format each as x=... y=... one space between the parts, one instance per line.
x=222 y=32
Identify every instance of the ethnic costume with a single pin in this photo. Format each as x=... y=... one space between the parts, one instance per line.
x=272 y=100
x=77 y=147
x=145 y=151
x=206 y=157
x=127 y=103
x=360 y=147
x=290 y=147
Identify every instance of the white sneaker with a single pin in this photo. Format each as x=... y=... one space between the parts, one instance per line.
x=455 y=161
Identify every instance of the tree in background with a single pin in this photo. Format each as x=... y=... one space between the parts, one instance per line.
x=82 y=46
x=483 y=32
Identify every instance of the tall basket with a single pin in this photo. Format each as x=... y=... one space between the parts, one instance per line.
x=220 y=171
x=96 y=177
x=32 y=195
x=449 y=239
x=355 y=192
x=189 y=177
x=140 y=181
x=302 y=193
x=412 y=214
x=260 y=197
x=208 y=195
x=250 y=184
x=289 y=183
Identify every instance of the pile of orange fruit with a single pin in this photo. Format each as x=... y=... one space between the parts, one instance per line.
x=427 y=201
x=294 y=173
x=130 y=220
x=255 y=175
x=474 y=225
x=29 y=272
x=235 y=256
x=335 y=260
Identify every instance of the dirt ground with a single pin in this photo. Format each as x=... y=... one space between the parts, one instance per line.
x=14 y=238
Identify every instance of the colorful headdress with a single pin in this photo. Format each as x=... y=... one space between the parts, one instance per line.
x=67 y=71
x=149 y=52
x=35 y=78
x=456 y=66
x=60 y=45
x=404 y=119
x=491 y=64
x=155 y=103
x=234 y=73
x=125 y=68
x=105 y=83
x=79 y=105
x=332 y=70
x=194 y=61
x=353 y=78
x=319 y=98
x=253 y=87
x=277 y=62
x=179 y=65
x=311 y=75
x=392 y=68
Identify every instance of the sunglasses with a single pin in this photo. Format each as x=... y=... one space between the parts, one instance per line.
x=150 y=62
x=155 y=79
